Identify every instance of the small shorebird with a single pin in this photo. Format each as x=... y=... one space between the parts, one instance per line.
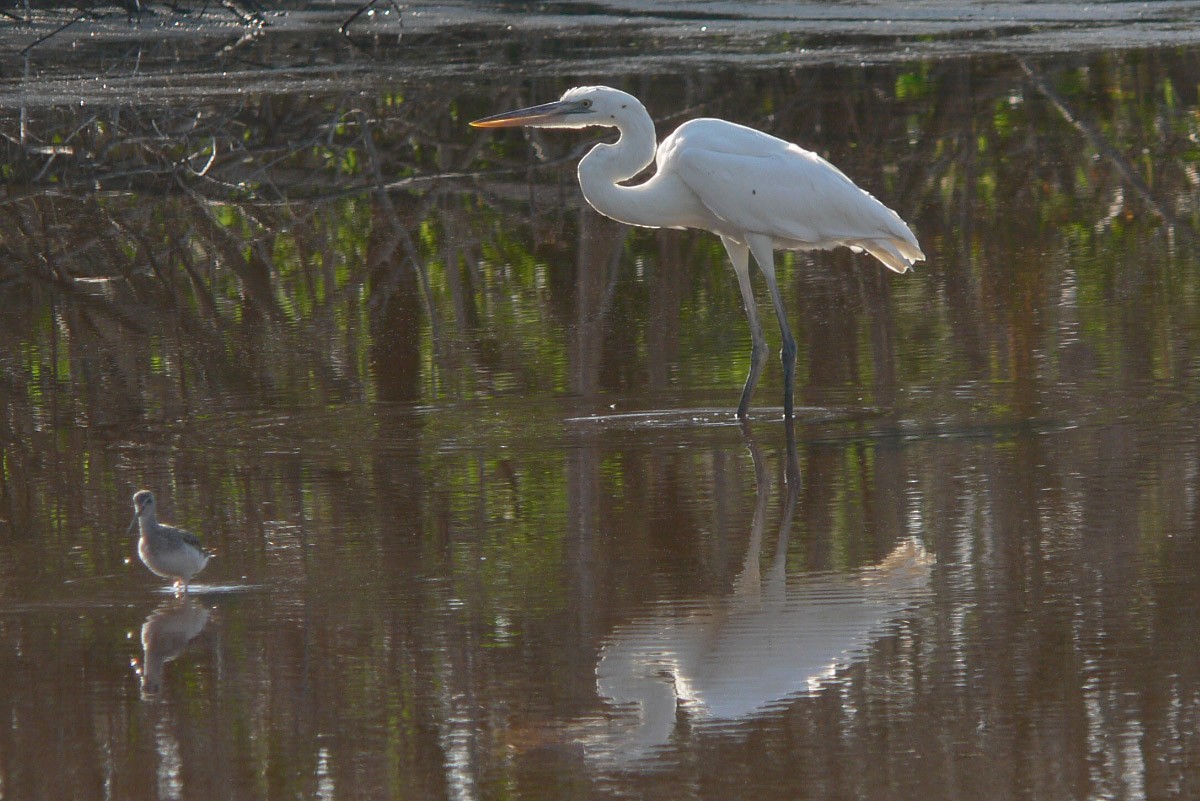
x=168 y=551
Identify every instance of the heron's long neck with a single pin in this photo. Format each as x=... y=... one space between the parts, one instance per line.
x=605 y=166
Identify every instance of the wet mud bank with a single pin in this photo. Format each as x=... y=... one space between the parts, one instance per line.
x=167 y=51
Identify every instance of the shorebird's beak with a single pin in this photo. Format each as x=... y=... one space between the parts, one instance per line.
x=547 y=113
x=133 y=522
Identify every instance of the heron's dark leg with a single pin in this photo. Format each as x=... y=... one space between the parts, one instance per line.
x=739 y=254
x=764 y=253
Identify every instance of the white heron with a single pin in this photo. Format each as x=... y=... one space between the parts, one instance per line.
x=758 y=193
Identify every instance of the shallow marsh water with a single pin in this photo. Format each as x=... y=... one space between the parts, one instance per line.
x=485 y=525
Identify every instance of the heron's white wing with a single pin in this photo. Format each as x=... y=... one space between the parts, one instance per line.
x=757 y=183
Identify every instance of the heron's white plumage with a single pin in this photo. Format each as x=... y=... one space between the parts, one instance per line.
x=753 y=182
x=759 y=193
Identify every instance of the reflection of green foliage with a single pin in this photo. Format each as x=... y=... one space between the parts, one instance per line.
x=1170 y=98
x=1009 y=200
x=246 y=357
x=913 y=85
x=1004 y=121
x=1072 y=82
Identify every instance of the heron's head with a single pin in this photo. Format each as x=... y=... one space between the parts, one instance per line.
x=580 y=107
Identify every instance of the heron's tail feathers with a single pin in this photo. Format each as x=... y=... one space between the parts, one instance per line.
x=896 y=254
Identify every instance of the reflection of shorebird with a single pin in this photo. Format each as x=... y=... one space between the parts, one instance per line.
x=166 y=632
x=168 y=551
x=733 y=657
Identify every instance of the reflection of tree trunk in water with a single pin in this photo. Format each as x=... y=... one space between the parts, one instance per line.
x=834 y=475
x=1162 y=684
x=583 y=561
x=727 y=485
x=820 y=467
x=417 y=629
x=16 y=489
x=828 y=320
x=395 y=321
x=387 y=214
x=964 y=315
x=473 y=344
x=1024 y=328
x=1134 y=290
x=460 y=296
x=882 y=479
x=876 y=290
x=1007 y=542
x=463 y=732
x=884 y=500
x=601 y=242
x=666 y=294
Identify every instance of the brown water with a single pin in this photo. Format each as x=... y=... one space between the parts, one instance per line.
x=485 y=525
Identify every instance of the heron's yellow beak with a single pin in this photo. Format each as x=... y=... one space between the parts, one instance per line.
x=534 y=115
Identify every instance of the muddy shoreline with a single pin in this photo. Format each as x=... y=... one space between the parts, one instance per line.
x=67 y=57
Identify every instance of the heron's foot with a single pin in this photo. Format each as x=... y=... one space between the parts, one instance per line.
x=758 y=359
x=789 y=391
x=743 y=407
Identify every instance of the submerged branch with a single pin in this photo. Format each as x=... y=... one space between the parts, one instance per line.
x=25 y=50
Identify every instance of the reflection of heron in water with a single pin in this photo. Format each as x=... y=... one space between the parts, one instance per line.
x=721 y=660
x=165 y=634
x=758 y=193
x=168 y=551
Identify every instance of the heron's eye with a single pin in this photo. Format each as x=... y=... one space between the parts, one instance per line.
x=587 y=104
